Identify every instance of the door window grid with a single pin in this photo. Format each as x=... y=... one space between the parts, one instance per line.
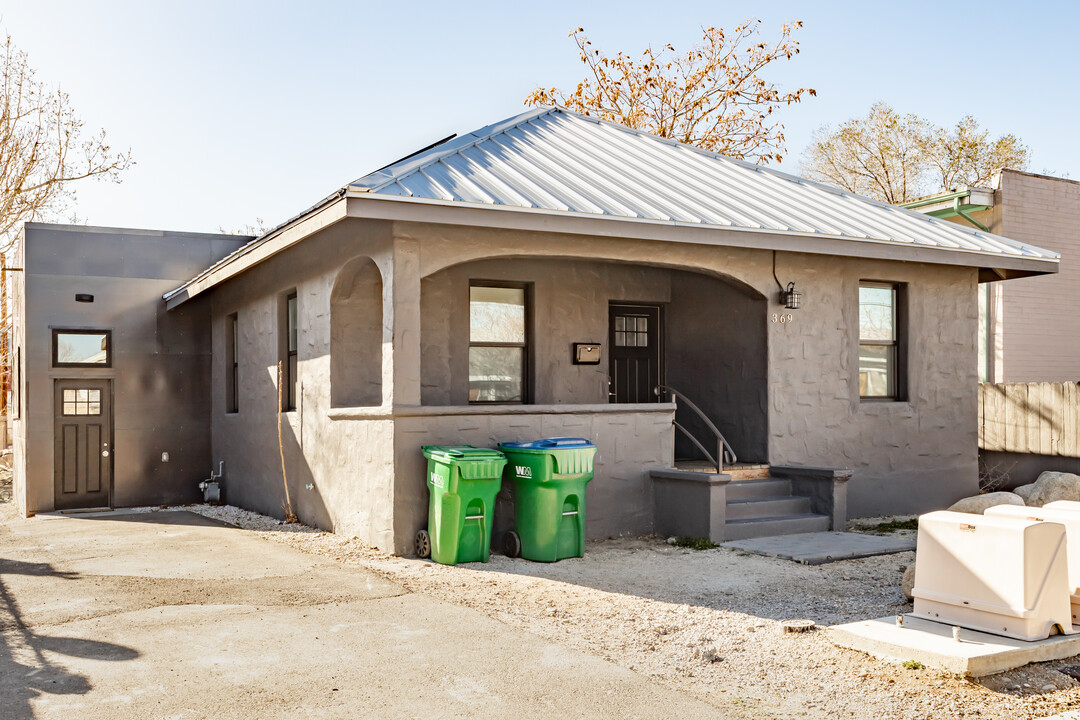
x=632 y=331
x=82 y=401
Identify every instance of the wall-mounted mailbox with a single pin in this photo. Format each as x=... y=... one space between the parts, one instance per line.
x=586 y=353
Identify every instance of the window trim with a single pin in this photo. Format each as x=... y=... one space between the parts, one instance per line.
x=527 y=346
x=899 y=342
x=232 y=363
x=57 y=332
x=289 y=379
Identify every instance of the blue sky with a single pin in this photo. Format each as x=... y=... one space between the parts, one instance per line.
x=239 y=110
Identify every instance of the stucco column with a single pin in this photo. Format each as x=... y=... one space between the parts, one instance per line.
x=401 y=325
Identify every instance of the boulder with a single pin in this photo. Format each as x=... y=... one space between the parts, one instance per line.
x=978 y=503
x=908 y=582
x=1049 y=487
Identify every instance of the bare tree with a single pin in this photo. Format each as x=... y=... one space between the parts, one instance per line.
x=42 y=151
x=42 y=155
x=713 y=96
x=897 y=158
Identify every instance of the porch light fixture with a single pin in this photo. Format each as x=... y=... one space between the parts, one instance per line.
x=791 y=297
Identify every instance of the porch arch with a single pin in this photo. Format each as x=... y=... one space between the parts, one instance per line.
x=356 y=335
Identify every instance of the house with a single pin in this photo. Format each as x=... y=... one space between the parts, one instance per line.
x=1026 y=331
x=459 y=296
x=1029 y=340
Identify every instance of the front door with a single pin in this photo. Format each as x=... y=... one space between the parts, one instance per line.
x=634 y=339
x=83 y=437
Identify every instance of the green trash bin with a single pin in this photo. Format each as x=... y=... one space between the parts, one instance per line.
x=549 y=479
x=463 y=482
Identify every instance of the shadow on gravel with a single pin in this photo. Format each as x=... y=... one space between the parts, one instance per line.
x=25 y=669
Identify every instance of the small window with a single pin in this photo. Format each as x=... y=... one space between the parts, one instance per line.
x=82 y=348
x=881 y=355
x=498 y=343
x=289 y=369
x=82 y=401
x=232 y=365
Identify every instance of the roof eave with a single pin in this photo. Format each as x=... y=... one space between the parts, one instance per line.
x=360 y=204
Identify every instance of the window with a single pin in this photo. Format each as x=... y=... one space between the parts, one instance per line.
x=82 y=348
x=82 y=401
x=232 y=365
x=498 y=343
x=289 y=376
x=881 y=334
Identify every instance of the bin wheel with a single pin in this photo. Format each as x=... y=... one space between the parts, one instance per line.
x=423 y=544
x=511 y=544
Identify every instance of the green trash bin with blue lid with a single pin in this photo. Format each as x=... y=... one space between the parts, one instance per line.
x=462 y=484
x=549 y=478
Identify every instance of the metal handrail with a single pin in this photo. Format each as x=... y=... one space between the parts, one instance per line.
x=722 y=447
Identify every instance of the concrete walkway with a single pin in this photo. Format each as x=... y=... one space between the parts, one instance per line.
x=171 y=615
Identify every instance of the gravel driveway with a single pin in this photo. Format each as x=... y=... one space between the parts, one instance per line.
x=705 y=622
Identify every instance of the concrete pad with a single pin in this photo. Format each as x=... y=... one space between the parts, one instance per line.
x=822 y=547
x=292 y=636
x=167 y=544
x=931 y=643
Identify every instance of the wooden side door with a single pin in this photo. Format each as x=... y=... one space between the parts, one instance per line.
x=634 y=339
x=82 y=434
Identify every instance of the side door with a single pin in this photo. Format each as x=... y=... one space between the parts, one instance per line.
x=634 y=339
x=82 y=433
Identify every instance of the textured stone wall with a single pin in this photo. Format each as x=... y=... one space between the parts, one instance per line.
x=629 y=442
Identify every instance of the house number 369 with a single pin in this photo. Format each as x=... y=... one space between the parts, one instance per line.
x=778 y=318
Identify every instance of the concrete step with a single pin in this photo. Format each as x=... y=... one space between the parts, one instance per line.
x=767 y=507
x=778 y=525
x=738 y=471
x=773 y=488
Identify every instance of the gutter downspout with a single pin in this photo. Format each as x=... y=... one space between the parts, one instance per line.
x=973 y=221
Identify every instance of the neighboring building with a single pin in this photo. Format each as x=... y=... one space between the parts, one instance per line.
x=1028 y=331
x=443 y=299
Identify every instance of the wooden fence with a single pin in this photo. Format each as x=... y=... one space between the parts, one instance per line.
x=1037 y=418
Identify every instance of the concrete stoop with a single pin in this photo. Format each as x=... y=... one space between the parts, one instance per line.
x=748 y=501
x=975 y=654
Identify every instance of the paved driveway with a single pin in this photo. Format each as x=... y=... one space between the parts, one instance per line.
x=171 y=615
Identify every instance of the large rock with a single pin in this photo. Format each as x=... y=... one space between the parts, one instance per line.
x=1049 y=487
x=978 y=503
x=908 y=582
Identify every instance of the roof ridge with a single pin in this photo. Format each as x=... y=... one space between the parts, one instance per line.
x=379 y=179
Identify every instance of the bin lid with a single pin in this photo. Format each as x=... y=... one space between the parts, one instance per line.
x=555 y=443
x=460 y=453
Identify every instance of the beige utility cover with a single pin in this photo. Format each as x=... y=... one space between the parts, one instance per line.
x=1002 y=575
x=1070 y=518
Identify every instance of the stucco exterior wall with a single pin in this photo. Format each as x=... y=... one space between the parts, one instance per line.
x=910 y=456
x=160 y=361
x=340 y=474
x=363 y=464
x=630 y=440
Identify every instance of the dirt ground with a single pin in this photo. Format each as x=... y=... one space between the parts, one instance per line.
x=706 y=622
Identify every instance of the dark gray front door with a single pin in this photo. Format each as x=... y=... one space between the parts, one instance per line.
x=634 y=359
x=83 y=438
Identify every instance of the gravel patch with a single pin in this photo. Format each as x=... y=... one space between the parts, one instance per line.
x=707 y=622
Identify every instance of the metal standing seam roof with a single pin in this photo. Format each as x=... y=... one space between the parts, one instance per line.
x=556 y=161
x=561 y=161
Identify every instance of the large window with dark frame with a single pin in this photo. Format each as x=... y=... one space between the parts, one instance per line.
x=498 y=342
x=232 y=364
x=82 y=348
x=881 y=337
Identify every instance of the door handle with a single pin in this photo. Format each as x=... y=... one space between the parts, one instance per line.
x=104 y=453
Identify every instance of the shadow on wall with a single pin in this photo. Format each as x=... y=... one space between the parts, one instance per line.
x=27 y=667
